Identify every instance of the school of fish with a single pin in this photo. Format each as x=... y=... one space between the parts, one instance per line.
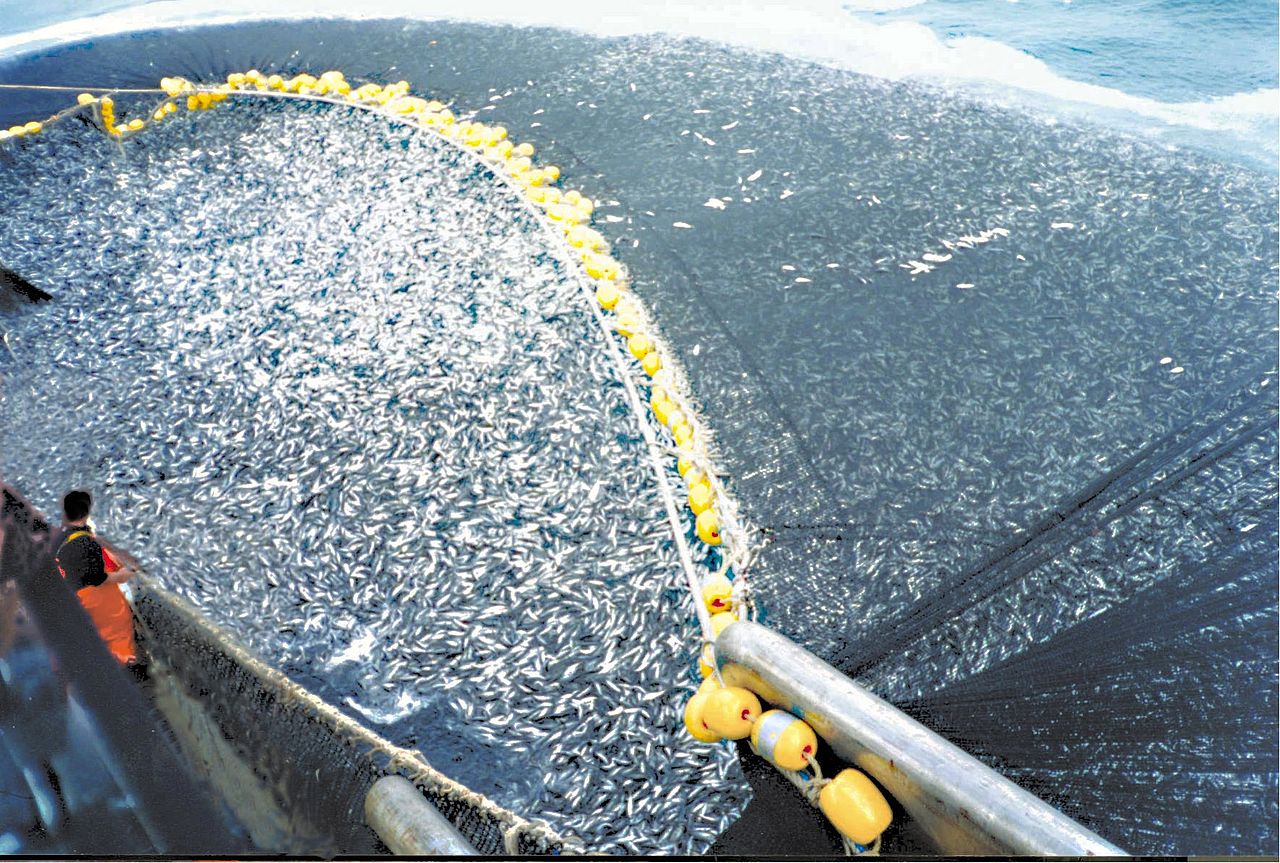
x=333 y=384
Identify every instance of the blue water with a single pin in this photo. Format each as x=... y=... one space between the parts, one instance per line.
x=1171 y=50
x=1188 y=73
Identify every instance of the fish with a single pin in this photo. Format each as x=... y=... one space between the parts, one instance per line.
x=395 y=456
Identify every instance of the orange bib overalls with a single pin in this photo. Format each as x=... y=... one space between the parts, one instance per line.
x=108 y=609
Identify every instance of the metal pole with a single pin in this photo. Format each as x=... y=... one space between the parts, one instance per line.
x=408 y=824
x=965 y=806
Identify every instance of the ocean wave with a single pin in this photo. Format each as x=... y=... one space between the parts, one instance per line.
x=821 y=31
x=880 y=5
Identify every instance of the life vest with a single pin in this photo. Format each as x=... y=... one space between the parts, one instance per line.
x=107 y=608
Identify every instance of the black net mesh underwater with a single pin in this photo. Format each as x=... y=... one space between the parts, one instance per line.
x=1000 y=392
x=321 y=763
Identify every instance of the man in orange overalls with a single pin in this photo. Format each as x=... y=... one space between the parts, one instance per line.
x=95 y=573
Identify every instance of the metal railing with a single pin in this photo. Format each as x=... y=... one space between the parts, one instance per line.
x=964 y=806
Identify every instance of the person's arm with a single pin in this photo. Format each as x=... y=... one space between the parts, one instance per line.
x=116 y=564
x=122 y=557
x=121 y=575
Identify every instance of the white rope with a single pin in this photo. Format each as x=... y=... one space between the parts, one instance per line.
x=66 y=89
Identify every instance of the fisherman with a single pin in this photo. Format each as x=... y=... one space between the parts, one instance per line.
x=95 y=571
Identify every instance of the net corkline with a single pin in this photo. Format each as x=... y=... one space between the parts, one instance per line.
x=564 y=216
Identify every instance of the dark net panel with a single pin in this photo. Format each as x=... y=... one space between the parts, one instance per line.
x=1159 y=687
x=321 y=765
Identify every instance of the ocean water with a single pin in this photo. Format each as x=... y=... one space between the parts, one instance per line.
x=1170 y=50
x=1183 y=72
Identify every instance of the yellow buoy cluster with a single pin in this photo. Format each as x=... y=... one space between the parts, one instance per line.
x=716 y=712
x=851 y=801
x=21 y=131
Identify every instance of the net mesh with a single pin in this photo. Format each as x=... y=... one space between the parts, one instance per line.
x=320 y=761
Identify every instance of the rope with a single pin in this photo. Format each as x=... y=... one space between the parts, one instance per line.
x=65 y=89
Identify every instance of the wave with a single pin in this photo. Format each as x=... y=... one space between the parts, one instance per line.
x=821 y=31
x=880 y=5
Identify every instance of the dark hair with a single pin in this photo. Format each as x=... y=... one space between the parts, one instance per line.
x=75 y=505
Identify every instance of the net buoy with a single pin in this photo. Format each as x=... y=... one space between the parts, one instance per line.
x=855 y=806
x=730 y=712
x=784 y=740
x=639 y=345
x=598 y=266
x=607 y=295
x=708 y=527
x=682 y=433
x=706 y=661
x=716 y=592
x=694 y=720
x=720 y=622
x=700 y=498
x=662 y=410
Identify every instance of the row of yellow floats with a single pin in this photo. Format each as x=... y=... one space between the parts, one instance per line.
x=715 y=712
x=851 y=801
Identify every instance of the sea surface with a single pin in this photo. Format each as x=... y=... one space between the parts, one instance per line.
x=1200 y=73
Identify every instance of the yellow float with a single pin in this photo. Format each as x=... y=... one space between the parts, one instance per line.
x=708 y=527
x=731 y=712
x=784 y=740
x=855 y=806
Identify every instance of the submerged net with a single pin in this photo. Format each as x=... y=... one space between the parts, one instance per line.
x=991 y=387
x=335 y=381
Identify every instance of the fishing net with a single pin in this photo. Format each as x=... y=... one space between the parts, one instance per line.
x=347 y=394
x=320 y=762
x=992 y=385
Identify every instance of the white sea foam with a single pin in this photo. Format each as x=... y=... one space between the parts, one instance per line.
x=823 y=31
x=880 y=5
